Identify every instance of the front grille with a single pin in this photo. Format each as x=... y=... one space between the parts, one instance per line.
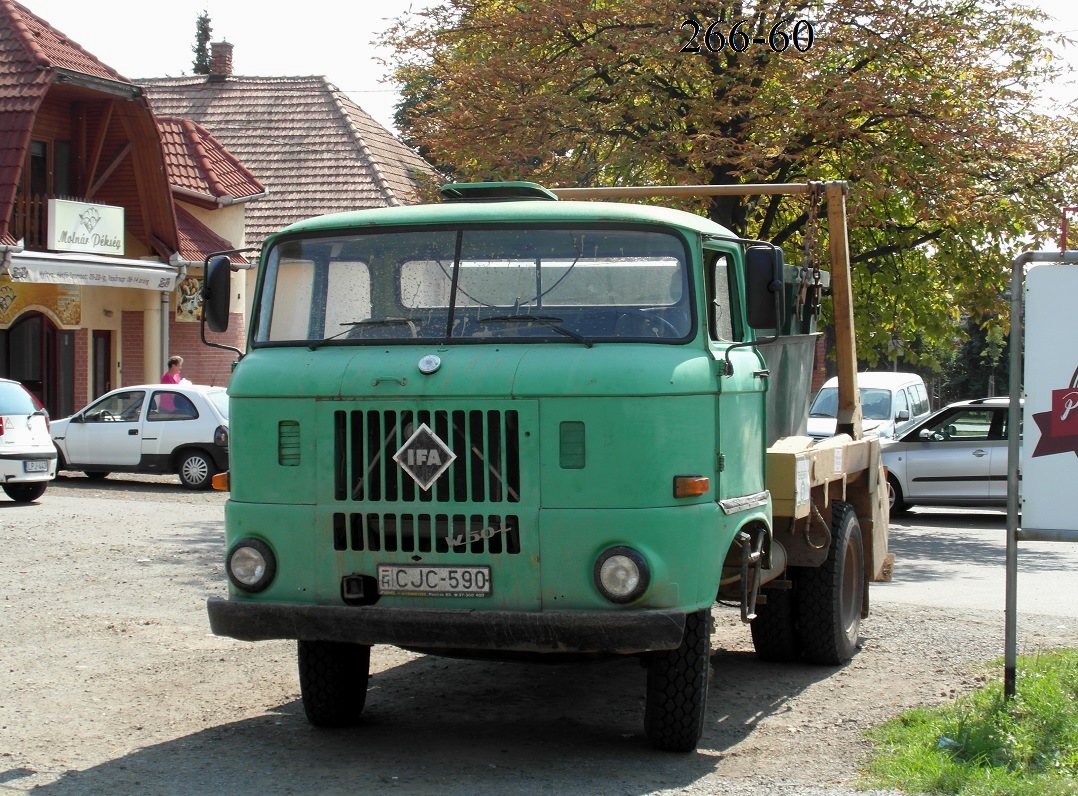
x=485 y=442
x=426 y=533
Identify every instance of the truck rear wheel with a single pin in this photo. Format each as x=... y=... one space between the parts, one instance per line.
x=774 y=630
x=677 y=688
x=830 y=596
x=333 y=681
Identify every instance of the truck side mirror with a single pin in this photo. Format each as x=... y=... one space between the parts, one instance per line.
x=765 y=291
x=216 y=292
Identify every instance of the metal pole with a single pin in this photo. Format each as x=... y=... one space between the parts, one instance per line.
x=1010 y=648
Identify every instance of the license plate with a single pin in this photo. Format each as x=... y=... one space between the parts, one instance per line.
x=434 y=581
x=36 y=466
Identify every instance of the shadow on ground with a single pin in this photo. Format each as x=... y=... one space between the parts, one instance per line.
x=437 y=725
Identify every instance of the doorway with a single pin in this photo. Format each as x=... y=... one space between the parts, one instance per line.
x=37 y=353
x=101 y=357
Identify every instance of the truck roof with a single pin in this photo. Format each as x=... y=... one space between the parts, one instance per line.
x=512 y=211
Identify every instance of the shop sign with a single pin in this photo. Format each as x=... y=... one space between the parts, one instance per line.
x=1049 y=452
x=84 y=227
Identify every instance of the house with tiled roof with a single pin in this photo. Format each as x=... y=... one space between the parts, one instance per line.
x=106 y=216
x=314 y=149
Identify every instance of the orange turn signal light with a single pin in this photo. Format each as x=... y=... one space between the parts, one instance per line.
x=691 y=485
x=220 y=481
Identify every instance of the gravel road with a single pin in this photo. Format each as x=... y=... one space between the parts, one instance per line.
x=111 y=683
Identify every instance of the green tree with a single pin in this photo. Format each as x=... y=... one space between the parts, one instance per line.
x=929 y=108
x=201 y=49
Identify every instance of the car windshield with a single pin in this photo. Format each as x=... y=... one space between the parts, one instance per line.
x=477 y=285
x=15 y=400
x=219 y=399
x=875 y=403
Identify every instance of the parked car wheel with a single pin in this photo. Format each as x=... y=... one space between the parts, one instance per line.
x=898 y=504
x=195 y=470
x=25 y=493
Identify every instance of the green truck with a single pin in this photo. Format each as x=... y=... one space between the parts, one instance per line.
x=520 y=424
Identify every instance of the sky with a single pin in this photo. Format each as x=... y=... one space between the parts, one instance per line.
x=333 y=38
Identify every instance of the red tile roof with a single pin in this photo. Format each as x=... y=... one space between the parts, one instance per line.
x=48 y=47
x=200 y=167
x=34 y=56
x=313 y=148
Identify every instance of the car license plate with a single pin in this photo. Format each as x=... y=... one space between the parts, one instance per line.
x=36 y=466
x=433 y=581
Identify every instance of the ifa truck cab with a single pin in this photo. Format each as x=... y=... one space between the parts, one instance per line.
x=515 y=425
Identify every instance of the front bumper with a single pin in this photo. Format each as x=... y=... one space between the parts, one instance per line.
x=517 y=631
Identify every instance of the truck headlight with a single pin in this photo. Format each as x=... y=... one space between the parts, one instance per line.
x=621 y=574
x=251 y=565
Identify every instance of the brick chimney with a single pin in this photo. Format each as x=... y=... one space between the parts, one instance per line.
x=220 y=58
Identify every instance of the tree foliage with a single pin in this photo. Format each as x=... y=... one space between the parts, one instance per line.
x=931 y=109
x=201 y=49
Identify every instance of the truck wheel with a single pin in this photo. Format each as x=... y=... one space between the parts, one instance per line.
x=333 y=681
x=677 y=688
x=774 y=630
x=195 y=470
x=830 y=596
x=898 y=503
x=26 y=493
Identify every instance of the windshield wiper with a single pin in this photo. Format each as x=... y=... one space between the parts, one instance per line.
x=366 y=322
x=548 y=321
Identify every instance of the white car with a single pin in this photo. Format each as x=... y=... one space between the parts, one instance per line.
x=891 y=403
x=27 y=455
x=149 y=428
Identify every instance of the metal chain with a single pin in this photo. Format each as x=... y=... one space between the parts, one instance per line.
x=810 y=260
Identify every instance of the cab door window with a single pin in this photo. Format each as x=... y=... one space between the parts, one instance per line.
x=723 y=323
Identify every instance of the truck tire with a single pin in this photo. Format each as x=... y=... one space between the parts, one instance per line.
x=774 y=630
x=333 y=681
x=830 y=596
x=677 y=688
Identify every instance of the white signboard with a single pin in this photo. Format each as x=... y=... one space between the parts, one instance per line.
x=84 y=227
x=91 y=271
x=1049 y=463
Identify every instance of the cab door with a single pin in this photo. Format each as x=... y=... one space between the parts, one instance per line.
x=740 y=383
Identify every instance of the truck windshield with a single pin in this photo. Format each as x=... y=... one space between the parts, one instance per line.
x=476 y=285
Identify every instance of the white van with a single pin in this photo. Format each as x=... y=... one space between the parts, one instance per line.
x=890 y=403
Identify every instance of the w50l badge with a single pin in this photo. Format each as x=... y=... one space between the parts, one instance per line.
x=424 y=457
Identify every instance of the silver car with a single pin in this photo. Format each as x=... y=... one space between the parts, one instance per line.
x=957 y=457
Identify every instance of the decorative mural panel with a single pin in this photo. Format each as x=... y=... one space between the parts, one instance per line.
x=62 y=302
x=189 y=303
